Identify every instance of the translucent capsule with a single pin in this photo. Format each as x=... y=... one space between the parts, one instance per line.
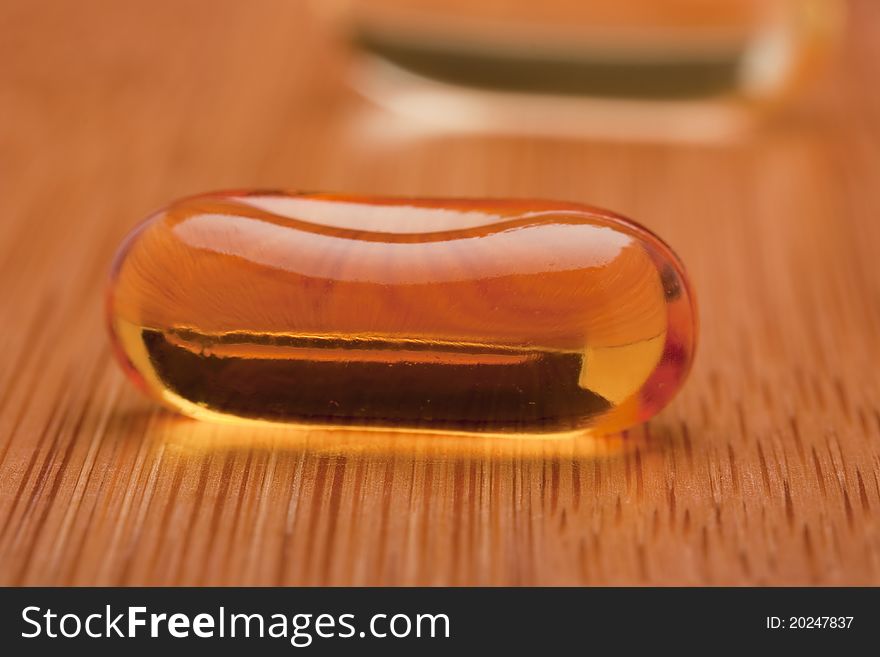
x=502 y=316
x=662 y=69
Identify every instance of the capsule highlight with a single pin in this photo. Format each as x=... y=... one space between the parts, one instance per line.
x=501 y=316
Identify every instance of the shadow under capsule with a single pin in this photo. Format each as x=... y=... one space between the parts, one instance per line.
x=196 y=438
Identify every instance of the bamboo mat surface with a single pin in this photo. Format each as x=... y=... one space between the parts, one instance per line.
x=764 y=470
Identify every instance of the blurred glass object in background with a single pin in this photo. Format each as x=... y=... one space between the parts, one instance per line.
x=689 y=69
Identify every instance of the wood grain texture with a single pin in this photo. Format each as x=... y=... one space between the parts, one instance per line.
x=765 y=470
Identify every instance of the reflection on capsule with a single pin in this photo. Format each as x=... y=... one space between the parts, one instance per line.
x=511 y=317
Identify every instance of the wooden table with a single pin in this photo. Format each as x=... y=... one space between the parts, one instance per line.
x=765 y=470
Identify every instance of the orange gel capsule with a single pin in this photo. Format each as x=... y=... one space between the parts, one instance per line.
x=502 y=316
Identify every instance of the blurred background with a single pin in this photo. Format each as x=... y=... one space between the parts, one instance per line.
x=745 y=132
x=680 y=69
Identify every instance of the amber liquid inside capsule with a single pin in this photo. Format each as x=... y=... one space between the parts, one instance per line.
x=516 y=317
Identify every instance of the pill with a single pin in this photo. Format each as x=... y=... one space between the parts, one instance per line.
x=503 y=316
x=650 y=66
